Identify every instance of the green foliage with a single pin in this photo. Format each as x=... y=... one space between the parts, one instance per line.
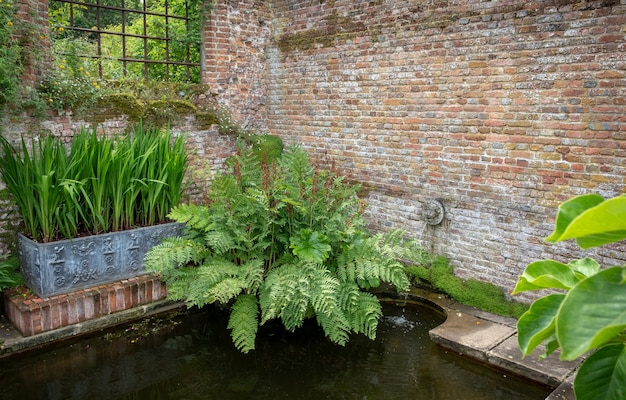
x=72 y=83
x=591 y=313
x=20 y=45
x=282 y=240
x=471 y=292
x=10 y=54
x=9 y=272
x=101 y=185
x=182 y=40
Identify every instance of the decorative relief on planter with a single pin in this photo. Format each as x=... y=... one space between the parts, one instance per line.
x=68 y=265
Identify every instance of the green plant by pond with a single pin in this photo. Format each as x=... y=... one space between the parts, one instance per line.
x=588 y=312
x=100 y=185
x=286 y=241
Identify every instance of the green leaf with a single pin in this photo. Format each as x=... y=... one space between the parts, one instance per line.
x=569 y=210
x=591 y=220
x=310 y=246
x=593 y=313
x=244 y=322
x=585 y=267
x=546 y=274
x=538 y=323
x=602 y=375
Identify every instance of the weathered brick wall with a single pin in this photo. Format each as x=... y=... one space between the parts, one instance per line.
x=235 y=34
x=34 y=34
x=499 y=109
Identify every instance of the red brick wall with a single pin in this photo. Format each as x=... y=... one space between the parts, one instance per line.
x=500 y=109
x=34 y=34
x=234 y=40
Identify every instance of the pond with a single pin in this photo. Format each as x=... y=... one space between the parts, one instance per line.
x=190 y=356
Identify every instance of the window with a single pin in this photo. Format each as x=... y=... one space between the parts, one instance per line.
x=129 y=39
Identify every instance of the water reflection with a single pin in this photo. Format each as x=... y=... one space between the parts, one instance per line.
x=195 y=359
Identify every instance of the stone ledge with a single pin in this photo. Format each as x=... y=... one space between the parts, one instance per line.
x=33 y=315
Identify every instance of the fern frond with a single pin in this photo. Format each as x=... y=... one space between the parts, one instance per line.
x=348 y=296
x=295 y=310
x=218 y=241
x=366 y=315
x=253 y=273
x=336 y=326
x=376 y=259
x=324 y=288
x=195 y=216
x=244 y=323
x=285 y=294
x=224 y=291
x=173 y=253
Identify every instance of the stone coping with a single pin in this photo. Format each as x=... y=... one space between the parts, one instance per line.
x=484 y=337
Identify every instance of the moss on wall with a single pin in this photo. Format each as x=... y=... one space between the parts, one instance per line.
x=164 y=112
x=337 y=28
x=115 y=105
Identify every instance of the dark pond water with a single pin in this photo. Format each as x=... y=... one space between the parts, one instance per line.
x=193 y=358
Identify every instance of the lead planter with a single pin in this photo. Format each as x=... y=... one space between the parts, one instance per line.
x=65 y=266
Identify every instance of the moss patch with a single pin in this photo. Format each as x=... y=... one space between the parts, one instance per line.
x=164 y=112
x=471 y=292
x=337 y=28
x=115 y=105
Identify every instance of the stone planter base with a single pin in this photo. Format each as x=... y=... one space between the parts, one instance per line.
x=31 y=314
x=65 y=266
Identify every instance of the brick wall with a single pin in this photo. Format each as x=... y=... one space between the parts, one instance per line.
x=499 y=109
x=34 y=34
x=234 y=38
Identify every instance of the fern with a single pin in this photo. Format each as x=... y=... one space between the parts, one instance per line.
x=243 y=322
x=283 y=241
x=174 y=252
x=336 y=326
x=196 y=217
x=365 y=317
x=224 y=291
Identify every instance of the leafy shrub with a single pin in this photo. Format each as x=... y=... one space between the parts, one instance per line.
x=101 y=185
x=10 y=54
x=282 y=241
x=588 y=311
x=9 y=272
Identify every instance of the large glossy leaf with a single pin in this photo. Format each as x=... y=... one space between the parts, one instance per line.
x=602 y=375
x=546 y=274
x=571 y=209
x=597 y=222
x=538 y=323
x=593 y=313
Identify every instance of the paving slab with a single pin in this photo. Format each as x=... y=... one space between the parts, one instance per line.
x=469 y=335
x=565 y=391
x=550 y=370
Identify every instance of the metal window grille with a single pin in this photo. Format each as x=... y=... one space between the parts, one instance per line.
x=149 y=39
